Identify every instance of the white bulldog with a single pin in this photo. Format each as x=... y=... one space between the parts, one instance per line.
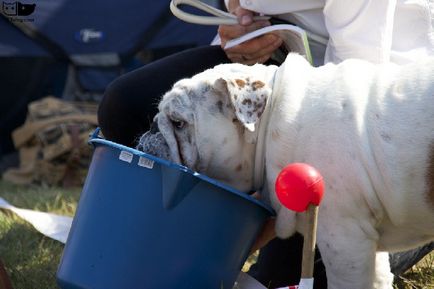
x=369 y=130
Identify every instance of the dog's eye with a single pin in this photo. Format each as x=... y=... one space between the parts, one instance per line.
x=178 y=124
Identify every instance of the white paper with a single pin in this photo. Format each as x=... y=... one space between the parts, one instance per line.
x=306 y=283
x=294 y=38
x=51 y=225
x=144 y=162
x=255 y=33
x=126 y=156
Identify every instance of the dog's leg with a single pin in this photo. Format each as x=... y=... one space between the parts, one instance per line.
x=383 y=277
x=348 y=255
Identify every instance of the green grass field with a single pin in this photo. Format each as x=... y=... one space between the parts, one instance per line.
x=31 y=259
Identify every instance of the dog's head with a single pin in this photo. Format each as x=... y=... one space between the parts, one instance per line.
x=208 y=121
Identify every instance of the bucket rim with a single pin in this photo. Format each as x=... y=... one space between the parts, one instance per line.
x=96 y=140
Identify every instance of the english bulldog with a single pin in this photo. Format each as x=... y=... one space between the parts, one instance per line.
x=369 y=130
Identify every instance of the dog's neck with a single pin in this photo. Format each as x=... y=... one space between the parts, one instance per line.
x=259 y=157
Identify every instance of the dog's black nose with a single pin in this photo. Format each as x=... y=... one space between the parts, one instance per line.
x=154 y=128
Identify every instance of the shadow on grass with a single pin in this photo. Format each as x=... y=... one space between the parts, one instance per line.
x=30 y=259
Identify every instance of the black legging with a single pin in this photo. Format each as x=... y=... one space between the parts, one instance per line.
x=126 y=112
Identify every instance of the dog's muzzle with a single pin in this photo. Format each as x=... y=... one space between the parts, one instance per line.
x=152 y=142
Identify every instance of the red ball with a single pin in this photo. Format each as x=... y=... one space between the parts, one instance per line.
x=299 y=185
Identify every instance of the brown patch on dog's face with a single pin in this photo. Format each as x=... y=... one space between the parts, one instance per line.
x=430 y=175
x=257 y=85
x=241 y=83
x=247 y=97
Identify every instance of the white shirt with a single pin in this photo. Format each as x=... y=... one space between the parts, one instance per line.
x=376 y=30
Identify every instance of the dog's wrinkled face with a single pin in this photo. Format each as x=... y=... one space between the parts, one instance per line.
x=207 y=122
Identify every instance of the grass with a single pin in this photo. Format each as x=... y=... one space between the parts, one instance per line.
x=31 y=259
x=420 y=276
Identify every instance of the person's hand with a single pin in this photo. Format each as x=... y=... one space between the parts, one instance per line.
x=257 y=50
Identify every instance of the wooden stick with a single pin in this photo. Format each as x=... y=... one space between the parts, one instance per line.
x=309 y=242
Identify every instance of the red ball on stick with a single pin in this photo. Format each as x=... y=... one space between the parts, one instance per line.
x=299 y=185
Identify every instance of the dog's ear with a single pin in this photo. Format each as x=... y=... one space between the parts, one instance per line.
x=247 y=96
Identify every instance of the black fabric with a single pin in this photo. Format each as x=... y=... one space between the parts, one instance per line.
x=126 y=112
x=22 y=80
x=43 y=40
x=279 y=264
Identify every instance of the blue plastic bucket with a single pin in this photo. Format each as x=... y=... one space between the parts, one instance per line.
x=143 y=222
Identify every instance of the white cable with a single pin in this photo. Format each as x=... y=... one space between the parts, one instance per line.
x=220 y=17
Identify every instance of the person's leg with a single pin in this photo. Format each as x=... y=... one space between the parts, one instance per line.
x=130 y=102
